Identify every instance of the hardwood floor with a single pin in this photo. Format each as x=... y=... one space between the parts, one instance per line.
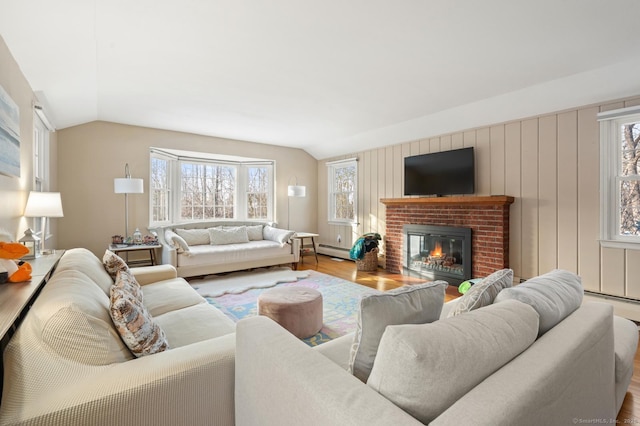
x=382 y=280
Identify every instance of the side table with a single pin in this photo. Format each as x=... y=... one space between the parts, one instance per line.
x=126 y=249
x=301 y=236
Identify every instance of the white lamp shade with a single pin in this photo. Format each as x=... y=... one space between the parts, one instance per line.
x=128 y=186
x=44 y=204
x=296 y=191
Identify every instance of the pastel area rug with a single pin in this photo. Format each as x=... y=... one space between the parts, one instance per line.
x=340 y=302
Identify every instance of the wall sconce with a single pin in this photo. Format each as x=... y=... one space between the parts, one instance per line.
x=294 y=190
x=126 y=186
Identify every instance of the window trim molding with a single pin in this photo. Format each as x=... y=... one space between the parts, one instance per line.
x=242 y=164
x=610 y=123
x=331 y=220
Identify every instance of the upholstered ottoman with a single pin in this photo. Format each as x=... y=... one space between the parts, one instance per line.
x=297 y=309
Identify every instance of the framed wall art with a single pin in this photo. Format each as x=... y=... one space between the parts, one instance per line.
x=9 y=135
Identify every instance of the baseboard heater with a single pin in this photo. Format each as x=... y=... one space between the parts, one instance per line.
x=338 y=252
x=611 y=297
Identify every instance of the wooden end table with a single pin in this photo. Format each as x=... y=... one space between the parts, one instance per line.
x=126 y=249
x=301 y=236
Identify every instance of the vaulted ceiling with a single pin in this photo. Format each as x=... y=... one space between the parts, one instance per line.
x=327 y=77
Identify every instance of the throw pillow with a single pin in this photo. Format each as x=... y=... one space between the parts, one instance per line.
x=113 y=263
x=176 y=241
x=142 y=335
x=126 y=282
x=553 y=295
x=409 y=369
x=228 y=235
x=255 y=232
x=483 y=293
x=416 y=304
x=195 y=236
x=278 y=235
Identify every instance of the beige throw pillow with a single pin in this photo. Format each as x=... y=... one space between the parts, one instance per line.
x=255 y=232
x=415 y=304
x=424 y=369
x=228 y=235
x=176 y=241
x=483 y=293
x=113 y=263
x=142 y=335
x=553 y=295
x=194 y=237
x=278 y=235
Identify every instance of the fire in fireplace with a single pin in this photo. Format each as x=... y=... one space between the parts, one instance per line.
x=438 y=252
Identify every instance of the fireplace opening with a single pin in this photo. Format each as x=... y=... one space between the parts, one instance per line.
x=437 y=252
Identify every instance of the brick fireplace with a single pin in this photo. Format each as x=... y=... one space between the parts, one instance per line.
x=488 y=217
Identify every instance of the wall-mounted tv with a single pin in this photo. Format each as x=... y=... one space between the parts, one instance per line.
x=440 y=173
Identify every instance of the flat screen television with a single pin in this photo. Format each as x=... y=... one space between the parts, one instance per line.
x=440 y=173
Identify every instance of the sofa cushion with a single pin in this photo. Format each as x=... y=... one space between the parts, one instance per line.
x=81 y=259
x=142 y=335
x=484 y=293
x=113 y=263
x=176 y=241
x=228 y=235
x=255 y=232
x=194 y=237
x=553 y=295
x=169 y=295
x=278 y=235
x=71 y=314
x=415 y=304
x=625 y=339
x=194 y=324
x=425 y=368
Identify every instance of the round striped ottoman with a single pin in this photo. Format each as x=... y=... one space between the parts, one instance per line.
x=297 y=309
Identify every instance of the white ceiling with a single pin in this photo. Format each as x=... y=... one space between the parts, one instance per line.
x=330 y=77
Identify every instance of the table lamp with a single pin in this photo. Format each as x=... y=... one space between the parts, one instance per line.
x=43 y=205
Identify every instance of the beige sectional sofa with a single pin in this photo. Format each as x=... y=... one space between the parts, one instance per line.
x=212 y=247
x=483 y=367
x=67 y=365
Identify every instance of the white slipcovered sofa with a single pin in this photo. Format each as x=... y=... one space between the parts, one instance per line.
x=67 y=365
x=201 y=248
x=522 y=359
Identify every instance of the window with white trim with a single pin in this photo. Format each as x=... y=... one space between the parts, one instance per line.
x=343 y=191
x=41 y=156
x=188 y=186
x=620 y=175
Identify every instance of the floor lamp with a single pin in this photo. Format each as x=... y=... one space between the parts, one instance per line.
x=294 y=190
x=44 y=205
x=126 y=186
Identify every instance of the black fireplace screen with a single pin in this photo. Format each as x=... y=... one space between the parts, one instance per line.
x=438 y=252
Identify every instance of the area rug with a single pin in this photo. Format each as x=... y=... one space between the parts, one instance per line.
x=239 y=282
x=340 y=299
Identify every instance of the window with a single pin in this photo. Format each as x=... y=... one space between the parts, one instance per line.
x=40 y=162
x=209 y=187
x=620 y=175
x=343 y=191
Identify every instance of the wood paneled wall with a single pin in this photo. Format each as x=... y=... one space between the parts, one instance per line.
x=550 y=164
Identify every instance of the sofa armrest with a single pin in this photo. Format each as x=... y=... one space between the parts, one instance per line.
x=152 y=274
x=282 y=381
x=190 y=385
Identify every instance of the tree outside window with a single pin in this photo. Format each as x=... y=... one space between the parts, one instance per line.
x=630 y=179
x=343 y=195
x=620 y=176
x=187 y=186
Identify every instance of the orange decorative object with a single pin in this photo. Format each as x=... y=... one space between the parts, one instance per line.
x=12 y=250
x=11 y=269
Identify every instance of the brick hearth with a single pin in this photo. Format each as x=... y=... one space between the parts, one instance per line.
x=488 y=217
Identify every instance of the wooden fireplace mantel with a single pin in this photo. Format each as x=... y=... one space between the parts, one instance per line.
x=496 y=200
